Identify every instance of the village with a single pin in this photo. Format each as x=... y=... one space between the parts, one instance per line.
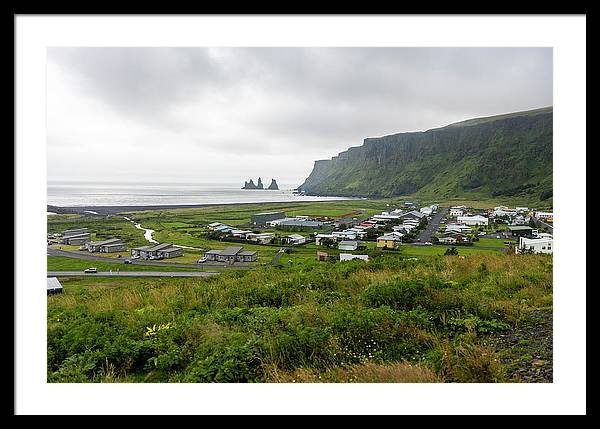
x=516 y=230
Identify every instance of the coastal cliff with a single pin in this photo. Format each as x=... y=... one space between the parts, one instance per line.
x=504 y=155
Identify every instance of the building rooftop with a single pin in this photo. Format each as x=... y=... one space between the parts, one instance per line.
x=520 y=228
x=348 y=243
x=53 y=284
x=105 y=242
x=248 y=253
x=159 y=247
x=142 y=248
x=231 y=250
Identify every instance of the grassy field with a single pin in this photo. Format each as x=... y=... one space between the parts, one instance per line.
x=387 y=320
x=61 y=263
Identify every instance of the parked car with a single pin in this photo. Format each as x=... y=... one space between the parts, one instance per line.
x=90 y=270
x=481 y=234
x=497 y=236
x=428 y=243
x=201 y=260
x=127 y=261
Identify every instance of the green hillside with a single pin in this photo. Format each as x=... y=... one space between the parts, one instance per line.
x=507 y=155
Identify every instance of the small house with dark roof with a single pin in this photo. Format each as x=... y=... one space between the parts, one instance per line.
x=106 y=246
x=231 y=254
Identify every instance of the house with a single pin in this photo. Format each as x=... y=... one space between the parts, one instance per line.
x=141 y=252
x=385 y=217
x=472 y=220
x=296 y=239
x=445 y=240
x=536 y=245
x=223 y=228
x=158 y=251
x=427 y=211
x=264 y=238
x=76 y=239
x=53 y=286
x=546 y=216
x=263 y=218
x=322 y=256
x=239 y=233
x=454 y=228
x=231 y=254
x=320 y=237
x=344 y=235
x=391 y=241
x=106 y=246
x=457 y=211
x=522 y=209
x=302 y=223
x=348 y=245
x=521 y=231
x=503 y=211
x=412 y=215
x=349 y=256
x=76 y=231
x=213 y=225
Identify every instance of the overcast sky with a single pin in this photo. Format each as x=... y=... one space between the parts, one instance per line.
x=231 y=114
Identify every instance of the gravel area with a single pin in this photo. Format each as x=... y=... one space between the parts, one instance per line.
x=526 y=352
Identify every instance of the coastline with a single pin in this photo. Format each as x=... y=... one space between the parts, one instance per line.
x=110 y=210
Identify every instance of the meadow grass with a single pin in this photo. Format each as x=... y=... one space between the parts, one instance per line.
x=386 y=320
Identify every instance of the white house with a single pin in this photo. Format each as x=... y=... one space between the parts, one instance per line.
x=344 y=235
x=349 y=256
x=537 y=245
x=457 y=229
x=473 y=220
x=241 y=233
x=426 y=211
x=447 y=240
x=457 y=210
x=320 y=237
x=296 y=239
x=264 y=238
x=348 y=245
x=544 y=215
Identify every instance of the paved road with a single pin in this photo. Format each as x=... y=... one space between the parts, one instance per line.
x=433 y=225
x=92 y=257
x=132 y=274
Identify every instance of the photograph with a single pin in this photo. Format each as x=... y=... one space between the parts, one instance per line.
x=303 y=215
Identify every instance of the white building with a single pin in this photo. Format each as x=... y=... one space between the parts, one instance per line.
x=344 y=235
x=447 y=240
x=473 y=220
x=348 y=245
x=457 y=210
x=296 y=239
x=457 y=229
x=264 y=238
x=320 y=237
x=544 y=215
x=349 y=256
x=537 y=245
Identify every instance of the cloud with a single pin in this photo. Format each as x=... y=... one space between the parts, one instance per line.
x=215 y=113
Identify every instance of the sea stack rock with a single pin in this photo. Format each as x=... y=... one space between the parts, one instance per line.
x=273 y=185
x=259 y=185
x=249 y=185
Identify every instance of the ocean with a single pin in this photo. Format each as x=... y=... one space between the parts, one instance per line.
x=77 y=194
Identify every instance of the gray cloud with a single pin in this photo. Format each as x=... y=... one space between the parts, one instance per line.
x=303 y=103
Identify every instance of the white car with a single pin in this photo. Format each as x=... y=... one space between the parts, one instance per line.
x=90 y=270
x=428 y=243
x=201 y=260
